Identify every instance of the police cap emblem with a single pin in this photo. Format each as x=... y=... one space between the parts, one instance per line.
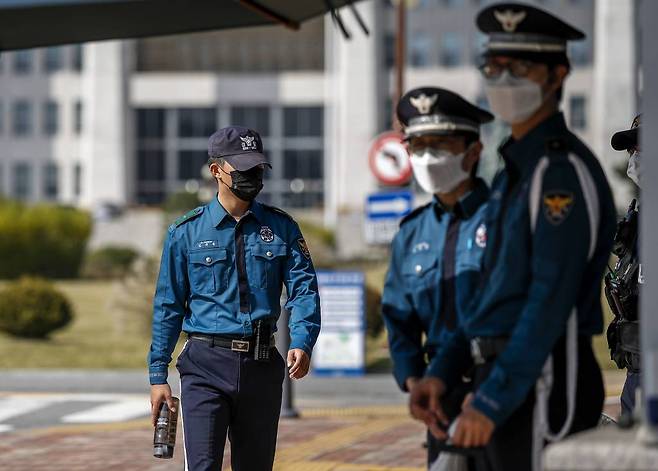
x=266 y=234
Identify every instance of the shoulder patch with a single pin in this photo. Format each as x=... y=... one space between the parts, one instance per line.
x=557 y=205
x=303 y=247
x=274 y=209
x=188 y=216
x=414 y=213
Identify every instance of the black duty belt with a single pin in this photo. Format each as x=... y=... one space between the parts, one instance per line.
x=245 y=345
x=484 y=349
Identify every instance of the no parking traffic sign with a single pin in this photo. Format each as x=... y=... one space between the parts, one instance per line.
x=389 y=159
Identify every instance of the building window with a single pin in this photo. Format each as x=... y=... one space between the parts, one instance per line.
x=50 y=118
x=303 y=121
x=305 y=164
x=23 y=62
x=580 y=52
x=578 y=112
x=191 y=164
x=197 y=122
x=50 y=181
x=77 y=117
x=22 y=181
x=77 y=180
x=150 y=165
x=419 y=50
x=254 y=117
x=22 y=118
x=77 y=57
x=52 y=59
x=451 y=50
x=150 y=123
x=479 y=46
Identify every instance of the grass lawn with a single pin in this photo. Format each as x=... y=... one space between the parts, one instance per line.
x=100 y=338
x=97 y=338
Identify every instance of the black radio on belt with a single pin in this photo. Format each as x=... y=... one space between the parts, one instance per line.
x=263 y=335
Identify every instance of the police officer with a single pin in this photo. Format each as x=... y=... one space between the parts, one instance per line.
x=622 y=283
x=223 y=266
x=435 y=256
x=550 y=222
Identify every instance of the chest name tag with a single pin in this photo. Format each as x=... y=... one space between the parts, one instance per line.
x=206 y=244
x=420 y=247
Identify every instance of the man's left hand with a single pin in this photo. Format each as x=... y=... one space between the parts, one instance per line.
x=298 y=363
x=474 y=429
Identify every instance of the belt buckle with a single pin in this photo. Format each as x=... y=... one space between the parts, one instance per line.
x=240 y=346
x=476 y=353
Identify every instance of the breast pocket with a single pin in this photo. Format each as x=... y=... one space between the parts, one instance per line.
x=265 y=264
x=208 y=270
x=420 y=270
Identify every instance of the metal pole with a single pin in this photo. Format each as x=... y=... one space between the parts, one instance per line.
x=649 y=220
x=288 y=410
x=400 y=57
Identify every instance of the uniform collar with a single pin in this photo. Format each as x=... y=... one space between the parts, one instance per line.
x=518 y=155
x=468 y=204
x=218 y=213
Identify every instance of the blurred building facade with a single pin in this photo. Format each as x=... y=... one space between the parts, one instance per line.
x=127 y=122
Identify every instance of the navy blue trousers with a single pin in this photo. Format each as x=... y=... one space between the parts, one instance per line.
x=628 y=393
x=225 y=392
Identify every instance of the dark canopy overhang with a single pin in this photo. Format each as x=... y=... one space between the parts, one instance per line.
x=35 y=23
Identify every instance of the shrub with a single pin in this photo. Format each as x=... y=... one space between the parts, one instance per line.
x=374 y=319
x=33 y=308
x=43 y=240
x=109 y=262
x=181 y=202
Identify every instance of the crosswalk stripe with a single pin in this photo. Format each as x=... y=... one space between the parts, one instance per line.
x=113 y=412
x=13 y=406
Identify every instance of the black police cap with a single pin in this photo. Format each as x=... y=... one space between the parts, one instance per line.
x=241 y=147
x=526 y=32
x=436 y=111
x=628 y=139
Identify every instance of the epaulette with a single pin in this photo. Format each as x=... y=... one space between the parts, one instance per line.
x=274 y=209
x=414 y=213
x=186 y=217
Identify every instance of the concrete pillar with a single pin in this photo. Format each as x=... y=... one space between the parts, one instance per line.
x=352 y=107
x=104 y=107
x=649 y=214
x=613 y=104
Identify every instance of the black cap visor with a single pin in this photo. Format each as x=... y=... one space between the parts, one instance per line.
x=244 y=162
x=624 y=140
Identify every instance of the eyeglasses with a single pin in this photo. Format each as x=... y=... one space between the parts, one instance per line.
x=517 y=69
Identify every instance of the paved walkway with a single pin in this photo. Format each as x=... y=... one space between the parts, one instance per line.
x=346 y=439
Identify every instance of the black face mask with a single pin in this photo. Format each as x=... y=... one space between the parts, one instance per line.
x=246 y=185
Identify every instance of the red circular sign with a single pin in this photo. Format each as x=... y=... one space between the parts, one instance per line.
x=389 y=159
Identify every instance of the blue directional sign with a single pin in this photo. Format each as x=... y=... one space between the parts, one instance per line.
x=383 y=214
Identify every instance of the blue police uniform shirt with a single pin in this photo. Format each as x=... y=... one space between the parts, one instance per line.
x=218 y=276
x=433 y=273
x=534 y=277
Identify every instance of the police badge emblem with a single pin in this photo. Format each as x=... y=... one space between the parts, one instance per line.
x=266 y=234
x=481 y=236
x=557 y=206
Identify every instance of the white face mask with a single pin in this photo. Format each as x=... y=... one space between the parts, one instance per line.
x=634 y=171
x=438 y=171
x=513 y=99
